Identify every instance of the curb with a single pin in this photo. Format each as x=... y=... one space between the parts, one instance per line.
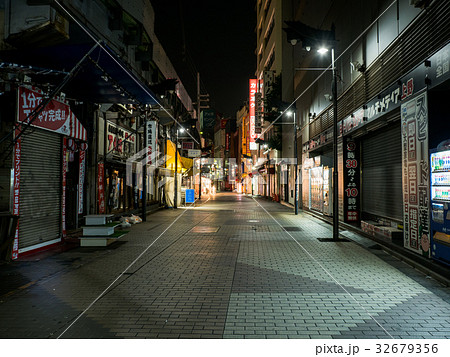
x=425 y=266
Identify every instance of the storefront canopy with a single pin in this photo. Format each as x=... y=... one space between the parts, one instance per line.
x=183 y=163
x=102 y=77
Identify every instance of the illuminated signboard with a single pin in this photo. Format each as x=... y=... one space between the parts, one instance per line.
x=252 y=110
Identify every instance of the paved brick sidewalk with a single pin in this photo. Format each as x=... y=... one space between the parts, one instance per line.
x=234 y=267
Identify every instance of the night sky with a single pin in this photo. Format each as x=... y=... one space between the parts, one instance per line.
x=220 y=42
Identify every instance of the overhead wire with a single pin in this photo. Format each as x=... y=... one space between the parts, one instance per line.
x=326 y=70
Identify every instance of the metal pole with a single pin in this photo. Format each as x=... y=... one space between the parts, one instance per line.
x=295 y=166
x=200 y=184
x=198 y=118
x=144 y=173
x=268 y=172
x=335 y=154
x=175 y=195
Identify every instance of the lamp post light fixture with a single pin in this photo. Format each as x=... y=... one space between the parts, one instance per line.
x=324 y=50
x=323 y=40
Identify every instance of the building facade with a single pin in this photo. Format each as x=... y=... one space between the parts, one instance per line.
x=91 y=94
x=392 y=63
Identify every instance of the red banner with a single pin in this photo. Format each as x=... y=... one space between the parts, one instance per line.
x=16 y=203
x=63 y=201
x=81 y=174
x=55 y=116
x=101 y=188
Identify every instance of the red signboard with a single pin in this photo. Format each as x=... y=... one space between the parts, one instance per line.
x=187 y=145
x=223 y=123
x=101 y=188
x=16 y=203
x=227 y=142
x=252 y=111
x=81 y=174
x=63 y=201
x=55 y=116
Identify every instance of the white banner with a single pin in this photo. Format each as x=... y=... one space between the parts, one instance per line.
x=151 y=140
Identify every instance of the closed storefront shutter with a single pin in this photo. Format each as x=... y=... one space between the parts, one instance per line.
x=40 y=188
x=382 y=172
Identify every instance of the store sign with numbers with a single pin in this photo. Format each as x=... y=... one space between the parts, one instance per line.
x=351 y=182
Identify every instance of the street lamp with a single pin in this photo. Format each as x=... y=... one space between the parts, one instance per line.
x=175 y=194
x=324 y=50
x=292 y=113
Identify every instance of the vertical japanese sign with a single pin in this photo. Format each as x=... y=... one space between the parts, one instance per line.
x=252 y=111
x=63 y=201
x=101 y=188
x=415 y=175
x=81 y=174
x=227 y=141
x=16 y=203
x=151 y=140
x=351 y=181
x=258 y=112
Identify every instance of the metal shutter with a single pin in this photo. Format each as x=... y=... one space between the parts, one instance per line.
x=382 y=172
x=40 y=188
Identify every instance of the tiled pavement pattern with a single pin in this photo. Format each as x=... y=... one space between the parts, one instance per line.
x=248 y=278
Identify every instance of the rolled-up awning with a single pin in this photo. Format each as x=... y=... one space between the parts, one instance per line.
x=102 y=78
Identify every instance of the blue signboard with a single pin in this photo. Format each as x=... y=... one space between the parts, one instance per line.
x=190 y=196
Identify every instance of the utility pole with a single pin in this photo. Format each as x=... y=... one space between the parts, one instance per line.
x=198 y=118
x=175 y=196
x=295 y=166
x=201 y=98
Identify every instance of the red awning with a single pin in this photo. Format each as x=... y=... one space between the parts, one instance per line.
x=77 y=130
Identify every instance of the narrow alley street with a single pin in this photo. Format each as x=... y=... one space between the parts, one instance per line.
x=231 y=267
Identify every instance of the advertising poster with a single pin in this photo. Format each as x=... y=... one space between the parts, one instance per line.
x=415 y=175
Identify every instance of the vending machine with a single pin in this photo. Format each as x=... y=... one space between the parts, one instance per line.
x=440 y=205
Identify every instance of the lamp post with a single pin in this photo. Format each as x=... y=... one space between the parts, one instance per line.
x=335 y=156
x=335 y=136
x=144 y=173
x=200 y=180
x=312 y=37
x=292 y=112
x=175 y=194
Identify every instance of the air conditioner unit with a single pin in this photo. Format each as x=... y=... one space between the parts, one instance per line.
x=34 y=25
x=419 y=3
